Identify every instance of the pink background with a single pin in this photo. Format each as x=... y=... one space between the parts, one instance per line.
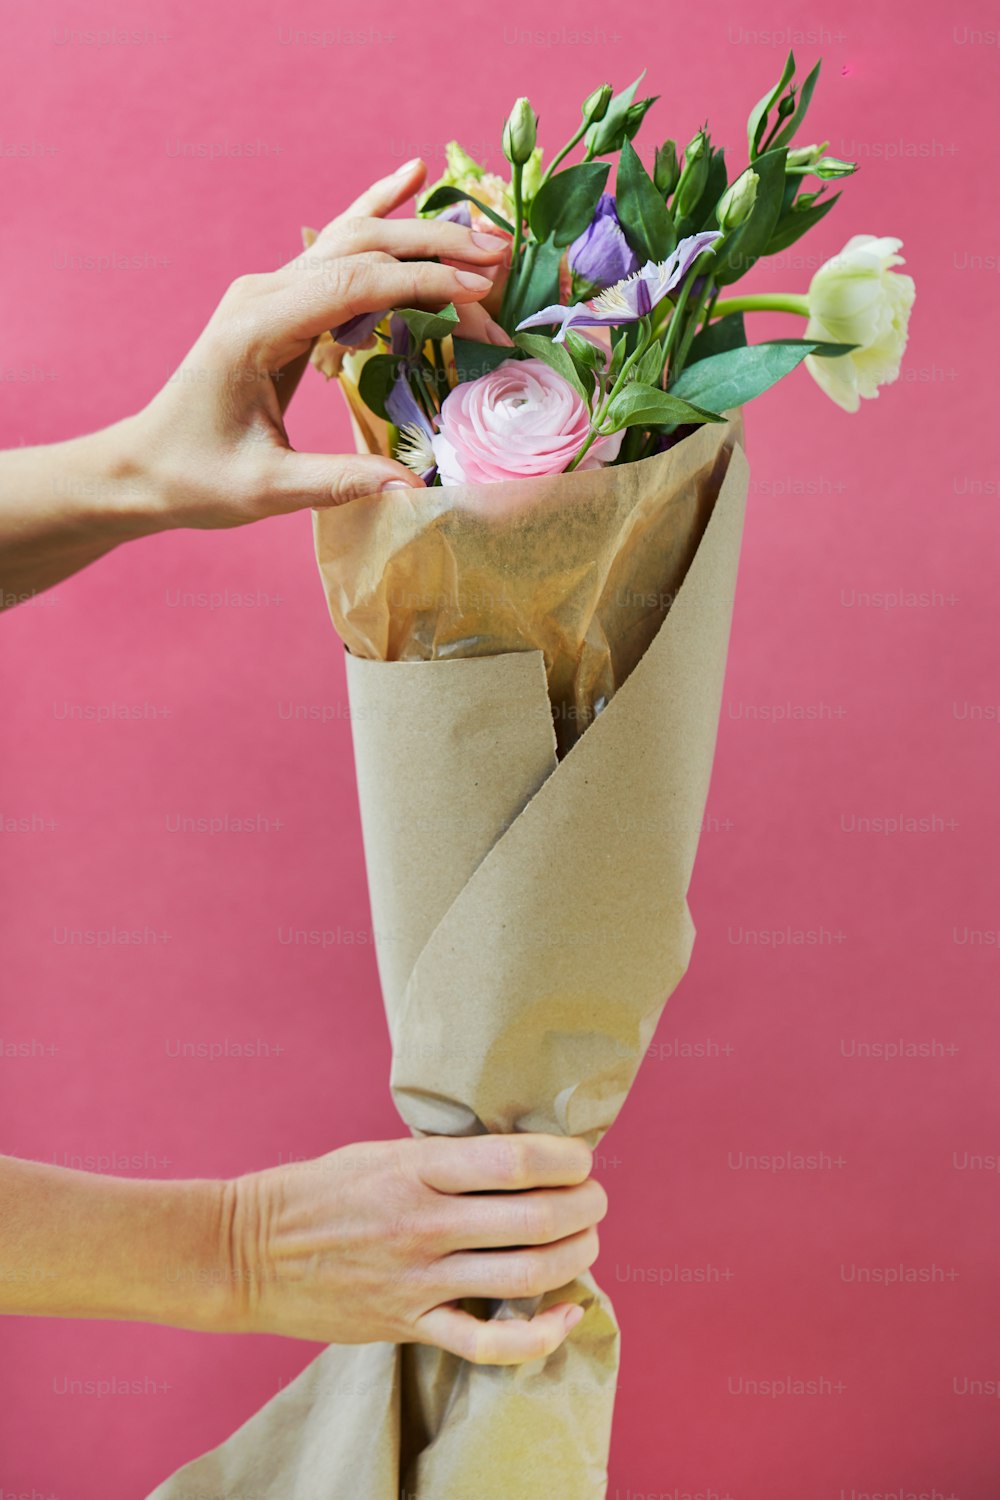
x=724 y=1272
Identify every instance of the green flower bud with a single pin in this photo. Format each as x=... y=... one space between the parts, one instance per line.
x=805 y=201
x=736 y=203
x=595 y=107
x=520 y=133
x=696 y=147
x=804 y=156
x=666 y=170
x=697 y=159
x=831 y=166
x=531 y=177
x=460 y=163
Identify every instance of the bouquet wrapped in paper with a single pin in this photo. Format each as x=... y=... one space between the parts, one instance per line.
x=536 y=648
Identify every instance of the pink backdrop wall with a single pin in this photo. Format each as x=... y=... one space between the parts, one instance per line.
x=815 y=939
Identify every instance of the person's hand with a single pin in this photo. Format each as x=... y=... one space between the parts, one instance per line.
x=213 y=443
x=378 y=1241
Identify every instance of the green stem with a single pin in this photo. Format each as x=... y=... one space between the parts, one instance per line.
x=601 y=412
x=518 y=276
x=677 y=318
x=573 y=141
x=516 y=176
x=763 y=302
x=697 y=317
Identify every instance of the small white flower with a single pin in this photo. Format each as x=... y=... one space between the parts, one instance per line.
x=857 y=298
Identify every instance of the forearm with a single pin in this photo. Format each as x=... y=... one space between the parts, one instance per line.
x=64 y=505
x=79 y=1245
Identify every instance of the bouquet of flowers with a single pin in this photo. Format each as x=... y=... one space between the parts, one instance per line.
x=536 y=648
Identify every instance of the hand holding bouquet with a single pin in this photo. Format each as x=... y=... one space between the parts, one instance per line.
x=537 y=630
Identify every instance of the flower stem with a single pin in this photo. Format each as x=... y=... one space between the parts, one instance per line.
x=698 y=315
x=573 y=141
x=601 y=412
x=516 y=176
x=763 y=302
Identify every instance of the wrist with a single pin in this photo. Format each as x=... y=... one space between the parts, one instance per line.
x=190 y=1282
x=112 y=483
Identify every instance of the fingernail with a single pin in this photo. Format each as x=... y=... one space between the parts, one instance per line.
x=407 y=166
x=573 y=1316
x=472 y=281
x=498 y=335
x=487 y=241
x=398 y=484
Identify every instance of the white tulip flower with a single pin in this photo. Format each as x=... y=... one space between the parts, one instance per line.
x=857 y=298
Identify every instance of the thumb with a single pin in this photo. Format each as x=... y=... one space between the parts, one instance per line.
x=321 y=480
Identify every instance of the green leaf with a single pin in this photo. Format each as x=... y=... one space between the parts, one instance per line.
x=718 y=180
x=791 y=227
x=702 y=215
x=473 y=359
x=540 y=288
x=647 y=406
x=557 y=356
x=787 y=131
x=649 y=367
x=644 y=217
x=617 y=360
x=378 y=375
x=609 y=133
x=584 y=351
x=757 y=123
x=729 y=379
x=636 y=113
x=752 y=238
x=728 y=333
x=564 y=206
x=822 y=349
x=443 y=196
x=428 y=325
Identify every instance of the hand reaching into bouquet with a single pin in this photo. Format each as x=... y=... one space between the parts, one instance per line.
x=211 y=449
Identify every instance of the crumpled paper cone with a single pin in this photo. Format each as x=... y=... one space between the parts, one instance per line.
x=530 y=919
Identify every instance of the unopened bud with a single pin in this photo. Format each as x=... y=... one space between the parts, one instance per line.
x=595 y=106
x=520 y=132
x=804 y=156
x=694 y=176
x=736 y=203
x=666 y=171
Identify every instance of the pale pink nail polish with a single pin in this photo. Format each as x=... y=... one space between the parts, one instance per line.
x=472 y=281
x=499 y=336
x=487 y=241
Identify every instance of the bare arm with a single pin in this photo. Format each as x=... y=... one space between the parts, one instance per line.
x=375 y=1241
x=211 y=449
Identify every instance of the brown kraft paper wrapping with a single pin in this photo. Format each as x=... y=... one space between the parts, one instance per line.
x=530 y=918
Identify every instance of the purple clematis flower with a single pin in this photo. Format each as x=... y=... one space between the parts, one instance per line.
x=415 y=431
x=457 y=213
x=357 y=330
x=630 y=299
x=602 y=255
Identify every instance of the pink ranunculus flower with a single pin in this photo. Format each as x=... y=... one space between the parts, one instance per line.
x=519 y=421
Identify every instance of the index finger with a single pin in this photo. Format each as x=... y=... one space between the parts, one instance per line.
x=388 y=193
x=502 y=1163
